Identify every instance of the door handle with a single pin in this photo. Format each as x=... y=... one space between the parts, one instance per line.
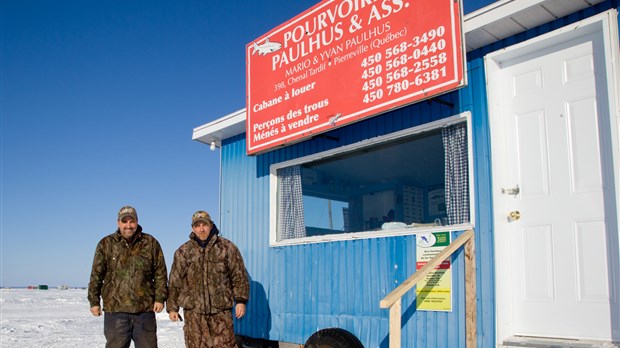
x=514 y=215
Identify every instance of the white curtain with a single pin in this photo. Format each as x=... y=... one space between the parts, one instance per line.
x=290 y=204
x=457 y=173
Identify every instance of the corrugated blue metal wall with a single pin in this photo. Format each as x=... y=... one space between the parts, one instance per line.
x=297 y=290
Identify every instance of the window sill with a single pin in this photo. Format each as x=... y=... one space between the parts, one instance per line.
x=381 y=233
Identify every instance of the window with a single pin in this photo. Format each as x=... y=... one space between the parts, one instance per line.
x=417 y=178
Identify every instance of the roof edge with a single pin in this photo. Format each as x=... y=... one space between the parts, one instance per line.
x=494 y=12
x=217 y=130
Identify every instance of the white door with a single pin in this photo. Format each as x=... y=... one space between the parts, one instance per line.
x=551 y=149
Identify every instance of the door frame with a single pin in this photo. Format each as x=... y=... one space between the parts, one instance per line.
x=607 y=24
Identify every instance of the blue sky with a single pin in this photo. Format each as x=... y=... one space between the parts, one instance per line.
x=98 y=103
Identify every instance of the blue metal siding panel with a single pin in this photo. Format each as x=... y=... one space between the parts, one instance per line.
x=297 y=290
x=350 y=276
x=241 y=210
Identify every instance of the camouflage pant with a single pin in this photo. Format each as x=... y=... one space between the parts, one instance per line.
x=209 y=330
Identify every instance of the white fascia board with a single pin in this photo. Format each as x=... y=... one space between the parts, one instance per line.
x=495 y=12
x=222 y=128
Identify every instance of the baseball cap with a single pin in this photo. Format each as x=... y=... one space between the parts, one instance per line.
x=127 y=211
x=201 y=216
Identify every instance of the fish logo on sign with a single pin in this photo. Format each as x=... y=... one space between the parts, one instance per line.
x=267 y=47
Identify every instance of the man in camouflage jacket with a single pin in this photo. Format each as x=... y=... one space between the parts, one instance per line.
x=208 y=277
x=129 y=273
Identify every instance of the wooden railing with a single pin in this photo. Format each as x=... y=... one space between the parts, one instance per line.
x=393 y=299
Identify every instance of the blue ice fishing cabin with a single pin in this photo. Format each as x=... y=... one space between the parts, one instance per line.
x=526 y=155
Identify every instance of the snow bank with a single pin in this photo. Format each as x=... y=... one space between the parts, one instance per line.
x=61 y=319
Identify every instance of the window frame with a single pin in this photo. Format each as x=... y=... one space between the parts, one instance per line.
x=375 y=141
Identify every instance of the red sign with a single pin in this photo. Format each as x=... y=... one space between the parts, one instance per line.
x=345 y=60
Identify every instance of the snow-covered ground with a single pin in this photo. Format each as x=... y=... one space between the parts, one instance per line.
x=61 y=319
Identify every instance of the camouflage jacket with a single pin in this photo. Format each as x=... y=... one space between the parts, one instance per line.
x=207 y=280
x=129 y=277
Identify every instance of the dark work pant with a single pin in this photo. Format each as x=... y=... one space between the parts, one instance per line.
x=120 y=328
